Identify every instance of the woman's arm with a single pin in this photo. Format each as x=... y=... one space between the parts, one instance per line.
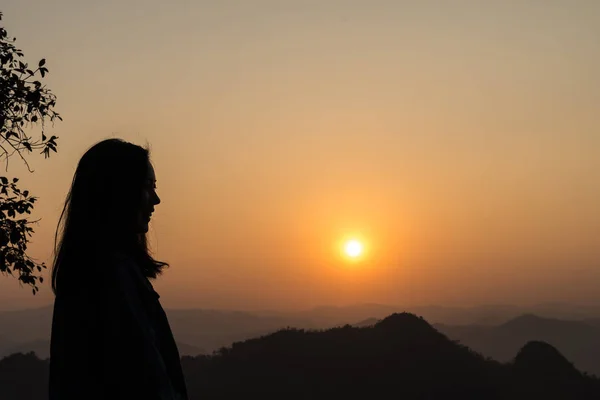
x=133 y=365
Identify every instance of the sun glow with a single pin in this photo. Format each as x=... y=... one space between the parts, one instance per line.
x=353 y=248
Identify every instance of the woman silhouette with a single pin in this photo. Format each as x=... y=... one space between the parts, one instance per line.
x=110 y=335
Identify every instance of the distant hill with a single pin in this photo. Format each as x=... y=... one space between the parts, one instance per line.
x=5 y=344
x=26 y=325
x=204 y=330
x=41 y=348
x=401 y=356
x=209 y=330
x=578 y=340
x=366 y=323
x=485 y=315
x=595 y=322
x=213 y=329
x=189 y=350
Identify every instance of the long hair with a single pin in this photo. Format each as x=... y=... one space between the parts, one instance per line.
x=100 y=214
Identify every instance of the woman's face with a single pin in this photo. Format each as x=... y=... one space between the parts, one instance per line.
x=149 y=200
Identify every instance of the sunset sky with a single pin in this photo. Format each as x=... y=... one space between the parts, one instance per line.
x=458 y=139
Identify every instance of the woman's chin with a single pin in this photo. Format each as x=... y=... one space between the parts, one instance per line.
x=143 y=227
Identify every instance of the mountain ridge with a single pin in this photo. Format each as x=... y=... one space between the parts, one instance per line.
x=401 y=354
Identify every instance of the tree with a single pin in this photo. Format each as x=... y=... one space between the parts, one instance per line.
x=25 y=103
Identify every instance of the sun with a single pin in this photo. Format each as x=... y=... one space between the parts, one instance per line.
x=353 y=248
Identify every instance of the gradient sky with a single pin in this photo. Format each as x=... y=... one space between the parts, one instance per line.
x=459 y=138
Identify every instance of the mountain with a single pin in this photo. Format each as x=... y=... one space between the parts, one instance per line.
x=213 y=329
x=6 y=345
x=41 y=348
x=540 y=371
x=366 y=323
x=189 y=350
x=329 y=316
x=401 y=356
x=204 y=330
x=209 y=330
x=595 y=322
x=545 y=360
x=26 y=325
x=577 y=340
x=484 y=315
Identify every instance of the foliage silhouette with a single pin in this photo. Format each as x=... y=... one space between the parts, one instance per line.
x=23 y=377
x=24 y=103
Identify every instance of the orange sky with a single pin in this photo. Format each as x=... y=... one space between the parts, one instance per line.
x=459 y=138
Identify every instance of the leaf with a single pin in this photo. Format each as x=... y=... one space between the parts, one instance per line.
x=3 y=238
x=4 y=180
x=15 y=236
x=43 y=72
x=15 y=180
x=26 y=193
x=42 y=62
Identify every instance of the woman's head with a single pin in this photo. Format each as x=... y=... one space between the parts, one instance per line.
x=108 y=208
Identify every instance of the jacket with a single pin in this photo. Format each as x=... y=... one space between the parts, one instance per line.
x=111 y=339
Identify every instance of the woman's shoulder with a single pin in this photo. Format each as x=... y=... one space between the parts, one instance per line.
x=114 y=268
x=113 y=256
x=114 y=260
x=126 y=268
